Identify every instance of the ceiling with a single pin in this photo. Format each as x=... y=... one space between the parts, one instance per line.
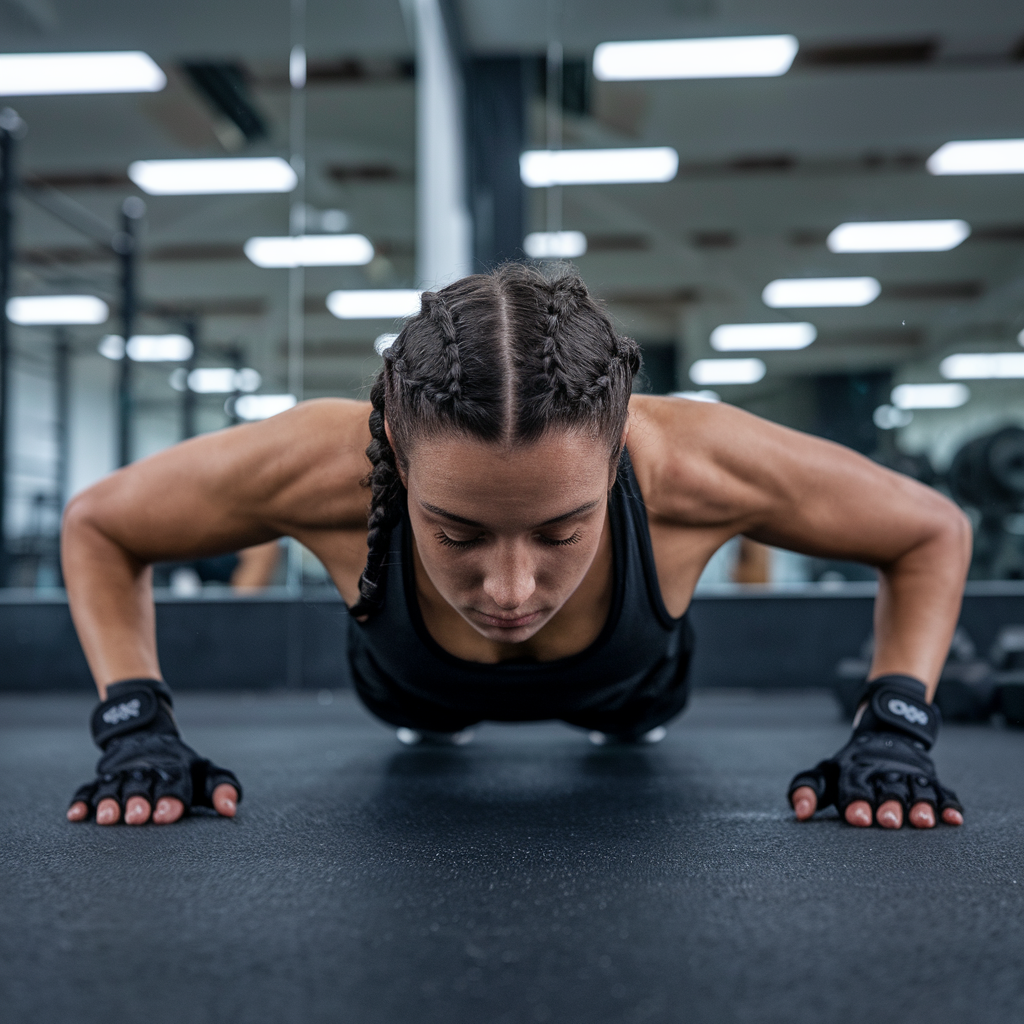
x=768 y=168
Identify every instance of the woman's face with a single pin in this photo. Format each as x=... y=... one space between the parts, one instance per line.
x=506 y=536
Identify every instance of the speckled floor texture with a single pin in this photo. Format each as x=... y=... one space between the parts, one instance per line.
x=527 y=878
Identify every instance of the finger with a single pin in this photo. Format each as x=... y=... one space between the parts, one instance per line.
x=168 y=810
x=859 y=814
x=805 y=802
x=225 y=799
x=922 y=816
x=108 y=812
x=952 y=817
x=136 y=811
x=890 y=814
x=78 y=811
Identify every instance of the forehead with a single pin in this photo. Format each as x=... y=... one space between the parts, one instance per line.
x=532 y=482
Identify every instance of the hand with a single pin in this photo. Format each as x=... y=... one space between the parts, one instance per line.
x=884 y=772
x=889 y=814
x=137 y=811
x=146 y=771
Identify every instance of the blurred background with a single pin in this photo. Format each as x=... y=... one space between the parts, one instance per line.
x=810 y=210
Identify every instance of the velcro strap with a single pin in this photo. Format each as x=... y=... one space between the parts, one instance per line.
x=130 y=705
x=897 y=704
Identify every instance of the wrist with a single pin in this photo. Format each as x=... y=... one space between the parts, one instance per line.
x=898 y=703
x=133 y=705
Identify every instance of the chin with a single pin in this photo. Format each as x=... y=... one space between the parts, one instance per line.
x=516 y=634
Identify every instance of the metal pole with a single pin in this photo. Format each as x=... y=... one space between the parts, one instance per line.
x=188 y=396
x=12 y=128
x=62 y=408
x=297 y=275
x=125 y=244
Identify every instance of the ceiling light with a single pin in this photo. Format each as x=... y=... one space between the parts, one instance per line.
x=53 y=74
x=215 y=380
x=888 y=417
x=995 y=156
x=378 y=304
x=262 y=407
x=548 y=245
x=542 y=168
x=727 y=371
x=982 y=366
x=384 y=341
x=899 y=236
x=148 y=348
x=762 y=337
x=697 y=396
x=56 y=309
x=730 y=57
x=930 y=396
x=821 y=291
x=213 y=177
x=310 y=251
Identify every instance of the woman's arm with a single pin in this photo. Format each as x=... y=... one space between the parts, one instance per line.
x=296 y=474
x=719 y=471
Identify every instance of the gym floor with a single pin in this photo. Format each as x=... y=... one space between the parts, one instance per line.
x=529 y=877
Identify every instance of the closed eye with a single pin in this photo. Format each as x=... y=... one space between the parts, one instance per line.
x=451 y=542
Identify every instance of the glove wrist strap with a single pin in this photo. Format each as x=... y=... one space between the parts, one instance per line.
x=896 y=703
x=133 y=705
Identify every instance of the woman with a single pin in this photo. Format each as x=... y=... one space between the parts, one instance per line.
x=535 y=536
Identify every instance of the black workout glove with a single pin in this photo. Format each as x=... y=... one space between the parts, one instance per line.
x=886 y=758
x=143 y=754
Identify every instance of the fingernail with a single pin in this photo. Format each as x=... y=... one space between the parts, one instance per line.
x=953 y=817
x=802 y=808
x=888 y=819
x=229 y=804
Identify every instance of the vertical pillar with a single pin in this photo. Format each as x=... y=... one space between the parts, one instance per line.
x=443 y=227
x=62 y=403
x=11 y=128
x=126 y=243
x=496 y=108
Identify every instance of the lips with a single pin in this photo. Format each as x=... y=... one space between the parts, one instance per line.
x=500 y=622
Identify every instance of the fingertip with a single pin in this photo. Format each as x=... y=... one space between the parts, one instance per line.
x=168 y=810
x=108 y=812
x=225 y=800
x=858 y=814
x=805 y=803
x=889 y=815
x=922 y=816
x=137 y=811
x=77 y=811
x=952 y=817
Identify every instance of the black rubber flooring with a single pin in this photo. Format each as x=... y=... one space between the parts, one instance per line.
x=527 y=878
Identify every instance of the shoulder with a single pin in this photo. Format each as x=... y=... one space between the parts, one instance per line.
x=707 y=463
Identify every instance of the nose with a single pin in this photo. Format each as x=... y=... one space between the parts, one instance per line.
x=509 y=581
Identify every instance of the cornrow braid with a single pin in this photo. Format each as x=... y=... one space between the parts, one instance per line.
x=500 y=357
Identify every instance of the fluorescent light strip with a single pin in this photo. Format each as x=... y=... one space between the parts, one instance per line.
x=380 y=304
x=557 y=245
x=384 y=341
x=762 y=337
x=542 y=168
x=899 y=236
x=930 y=396
x=995 y=156
x=807 y=292
x=61 y=74
x=310 y=251
x=262 y=407
x=729 y=57
x=697 y=396
x=983 y=366
x=148 y=348
x=27 y=310
x=213 y=177
x=727 y=371
x=888 y=417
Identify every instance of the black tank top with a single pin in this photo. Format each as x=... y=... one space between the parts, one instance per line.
x=635 y=666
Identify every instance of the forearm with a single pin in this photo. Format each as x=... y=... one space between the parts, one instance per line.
x=918 y=606
x=111 y=599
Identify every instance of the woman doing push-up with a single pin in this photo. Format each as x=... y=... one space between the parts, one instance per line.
x=517 y=538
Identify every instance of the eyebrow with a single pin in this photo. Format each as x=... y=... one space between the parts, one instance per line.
x=471 y=522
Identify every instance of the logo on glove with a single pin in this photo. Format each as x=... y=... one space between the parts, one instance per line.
x=914 y=715
x=122 y=712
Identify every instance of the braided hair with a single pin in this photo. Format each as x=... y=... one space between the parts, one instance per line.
x=501 y=357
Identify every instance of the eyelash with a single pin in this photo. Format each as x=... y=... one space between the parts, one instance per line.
x=462 y=545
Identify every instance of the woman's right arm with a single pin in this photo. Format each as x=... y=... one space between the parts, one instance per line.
x=296 y=474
